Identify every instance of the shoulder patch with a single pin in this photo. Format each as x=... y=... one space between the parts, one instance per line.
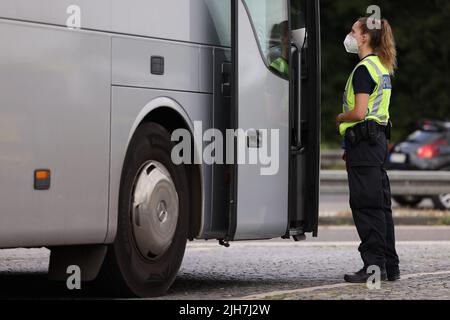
x=387 y=82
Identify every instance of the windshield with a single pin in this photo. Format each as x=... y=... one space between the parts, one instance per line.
x=271 y=27
x=422 y=136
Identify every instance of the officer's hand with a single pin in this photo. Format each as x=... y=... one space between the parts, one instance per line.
x=338 y=122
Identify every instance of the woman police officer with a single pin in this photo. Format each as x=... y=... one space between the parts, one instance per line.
x=366 y=128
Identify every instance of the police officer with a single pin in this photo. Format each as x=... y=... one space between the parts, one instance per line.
x=365 y=126
x=281 y=64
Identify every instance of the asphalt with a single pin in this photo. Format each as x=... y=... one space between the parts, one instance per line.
x=274 y=269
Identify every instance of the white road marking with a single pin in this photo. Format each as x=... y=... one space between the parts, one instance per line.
x=398 y=227
x=424 y=274
x=332 y=286
x=253 y=244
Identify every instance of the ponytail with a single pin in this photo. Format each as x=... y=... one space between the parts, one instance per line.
x=382 y=42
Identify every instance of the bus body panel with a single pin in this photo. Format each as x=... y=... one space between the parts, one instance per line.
x=54 y=114
x=198 y=21
x=187 y=67
x=71 y=100
x=129 y=107
x=186 y=87
x=181 y=79
x=263 y=104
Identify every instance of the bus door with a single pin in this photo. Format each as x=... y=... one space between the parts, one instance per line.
x=304 y=161
x=272 y=152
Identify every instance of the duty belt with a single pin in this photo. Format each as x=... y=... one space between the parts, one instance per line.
x=368 y=130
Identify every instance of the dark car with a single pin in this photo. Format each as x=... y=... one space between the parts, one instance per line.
x=427 y=148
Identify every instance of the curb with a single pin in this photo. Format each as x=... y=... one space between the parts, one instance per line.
x=407 y=221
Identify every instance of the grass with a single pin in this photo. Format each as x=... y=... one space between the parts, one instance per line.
x=330 y=146
x=444 y=221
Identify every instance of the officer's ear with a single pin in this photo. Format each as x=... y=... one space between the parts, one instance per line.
x=365 y=37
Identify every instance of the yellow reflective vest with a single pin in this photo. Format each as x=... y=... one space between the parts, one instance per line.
x=281 y=66
x=379 y=100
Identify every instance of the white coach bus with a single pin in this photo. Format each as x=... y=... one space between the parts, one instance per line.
x=91 y=92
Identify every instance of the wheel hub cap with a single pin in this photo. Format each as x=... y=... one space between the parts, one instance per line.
x=445 y=200
x=154 y=210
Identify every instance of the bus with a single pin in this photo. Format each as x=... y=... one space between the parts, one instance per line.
x=91 y=96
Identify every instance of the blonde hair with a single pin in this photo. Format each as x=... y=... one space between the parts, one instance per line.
x=382 y=42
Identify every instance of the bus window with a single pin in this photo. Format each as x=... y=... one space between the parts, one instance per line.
x=299 y=36
x=220 y=12
x=270 y=25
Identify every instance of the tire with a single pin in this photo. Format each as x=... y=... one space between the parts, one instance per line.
x=152 y=225
x=408 y=201
x=442 y=201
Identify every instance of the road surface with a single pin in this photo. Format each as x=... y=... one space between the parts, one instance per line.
x=274 y=269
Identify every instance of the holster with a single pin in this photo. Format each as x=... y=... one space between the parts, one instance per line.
x=350 y=136
x=373 y=132
x=388 y=130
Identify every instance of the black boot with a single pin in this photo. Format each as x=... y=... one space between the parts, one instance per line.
x=393 y=273
x=362 y=276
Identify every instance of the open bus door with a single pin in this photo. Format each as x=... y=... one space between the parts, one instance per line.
x=276 y=103
x=305 y=119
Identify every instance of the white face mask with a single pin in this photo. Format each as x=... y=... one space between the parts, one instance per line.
x=351 y=45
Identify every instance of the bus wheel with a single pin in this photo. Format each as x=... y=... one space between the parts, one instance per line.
x=153 y=218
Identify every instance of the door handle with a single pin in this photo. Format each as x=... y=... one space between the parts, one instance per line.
x=226 y=79
x=254 y=138
x=297 y=147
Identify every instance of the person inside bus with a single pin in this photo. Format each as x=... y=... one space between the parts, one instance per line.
x=281 y=64
x=365 y=126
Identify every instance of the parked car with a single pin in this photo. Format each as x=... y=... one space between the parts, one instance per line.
x=427 y=148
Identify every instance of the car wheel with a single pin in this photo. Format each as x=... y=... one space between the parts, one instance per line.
x=408 y=201
x=442 y=201
x=153 y=219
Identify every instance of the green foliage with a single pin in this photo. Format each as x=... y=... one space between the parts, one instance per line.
x=421 y=84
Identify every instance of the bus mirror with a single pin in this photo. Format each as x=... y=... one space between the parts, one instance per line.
x=299 y=37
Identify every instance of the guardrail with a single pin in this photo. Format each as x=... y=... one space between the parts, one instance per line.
x=424 y=183
x=331 y=158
